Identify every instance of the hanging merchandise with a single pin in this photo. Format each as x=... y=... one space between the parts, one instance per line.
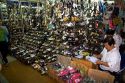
x=117 y=21
x=101 y=6
x=111 y=25
x=53 y=1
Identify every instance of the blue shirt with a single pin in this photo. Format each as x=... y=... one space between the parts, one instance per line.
x=4 y=33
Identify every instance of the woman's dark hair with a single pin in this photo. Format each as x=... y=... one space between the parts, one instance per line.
x=109 y=40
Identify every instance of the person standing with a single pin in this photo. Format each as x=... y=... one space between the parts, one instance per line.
x=3 y=42
x=116 y=10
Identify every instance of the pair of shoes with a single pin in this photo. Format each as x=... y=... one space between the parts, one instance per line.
x=5 y=65
x=5 y=62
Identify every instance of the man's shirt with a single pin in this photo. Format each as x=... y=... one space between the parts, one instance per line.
x=113 y=59
x=3 y=34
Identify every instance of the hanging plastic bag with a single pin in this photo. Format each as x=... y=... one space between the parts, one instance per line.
x=116 y=21
x=111 y=25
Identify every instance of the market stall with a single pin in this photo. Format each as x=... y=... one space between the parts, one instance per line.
x=55 y=36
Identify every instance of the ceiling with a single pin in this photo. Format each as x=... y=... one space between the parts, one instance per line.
x=22 y=0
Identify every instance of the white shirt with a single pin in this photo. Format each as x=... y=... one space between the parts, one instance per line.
x=113 y=59
x=118 y=40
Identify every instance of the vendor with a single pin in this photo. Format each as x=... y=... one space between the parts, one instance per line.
x=110 y=57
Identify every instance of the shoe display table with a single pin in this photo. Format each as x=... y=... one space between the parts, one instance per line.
x=80 y=64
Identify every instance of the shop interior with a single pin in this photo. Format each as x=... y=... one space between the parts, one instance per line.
x=56 y=41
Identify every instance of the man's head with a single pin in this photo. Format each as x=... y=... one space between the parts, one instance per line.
x=109 y=43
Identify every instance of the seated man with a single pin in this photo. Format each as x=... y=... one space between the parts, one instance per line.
x=110 y=56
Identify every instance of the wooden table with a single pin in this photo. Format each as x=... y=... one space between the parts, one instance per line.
x=87 y=63
x=81 y=64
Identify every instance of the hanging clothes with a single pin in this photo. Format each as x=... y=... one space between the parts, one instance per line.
x=111 y=25
x=100 y=7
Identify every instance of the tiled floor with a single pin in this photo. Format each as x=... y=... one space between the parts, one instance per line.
x=16 y=72
x=10 y=59
x=2 y=77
